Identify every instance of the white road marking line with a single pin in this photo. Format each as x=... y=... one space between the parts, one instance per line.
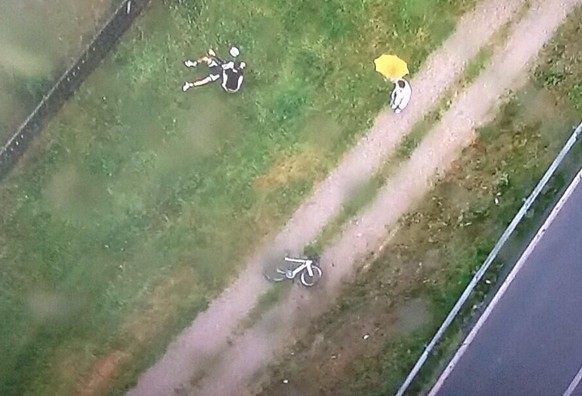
x=505 y=286
x=574 y=383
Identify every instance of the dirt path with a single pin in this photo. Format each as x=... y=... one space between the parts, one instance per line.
x=413 y=180
x=208 y=338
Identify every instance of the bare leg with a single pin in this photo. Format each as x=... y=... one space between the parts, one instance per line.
x=187 y=85
x=191 y=63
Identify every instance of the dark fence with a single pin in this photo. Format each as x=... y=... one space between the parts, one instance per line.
x=69 y=82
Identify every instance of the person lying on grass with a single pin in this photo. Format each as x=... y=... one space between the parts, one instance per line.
x=232 y=76
x=230 y=72
x=400 y=96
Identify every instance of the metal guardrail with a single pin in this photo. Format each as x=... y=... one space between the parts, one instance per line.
x=490 y=258
x=69 y=82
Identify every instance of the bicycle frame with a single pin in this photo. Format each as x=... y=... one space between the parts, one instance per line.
x=305 y=264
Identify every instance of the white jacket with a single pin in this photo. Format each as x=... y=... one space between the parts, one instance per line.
x=400 y=97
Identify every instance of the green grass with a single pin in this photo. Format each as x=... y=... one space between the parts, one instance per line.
x=476 y=65
x=134 y=208
x=453 y=231
x=267 y=300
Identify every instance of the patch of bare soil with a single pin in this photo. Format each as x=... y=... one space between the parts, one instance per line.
x=139 y=329
x=101 y=374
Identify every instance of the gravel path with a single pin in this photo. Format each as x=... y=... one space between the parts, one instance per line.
x=208 y=338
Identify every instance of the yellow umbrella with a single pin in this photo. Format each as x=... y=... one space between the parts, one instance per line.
x=391 y=66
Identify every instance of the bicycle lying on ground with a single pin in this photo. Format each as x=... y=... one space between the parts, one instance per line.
x=307 y=268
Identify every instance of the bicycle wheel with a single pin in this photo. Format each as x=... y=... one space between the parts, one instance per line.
x=309 y=281
x=275 y=275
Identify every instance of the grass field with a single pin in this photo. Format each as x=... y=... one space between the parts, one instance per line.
x=134 y=208
x=439 y=246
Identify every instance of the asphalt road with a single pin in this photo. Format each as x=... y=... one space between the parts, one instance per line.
x=529 y=340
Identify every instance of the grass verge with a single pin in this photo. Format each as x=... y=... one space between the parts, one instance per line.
x=268 y=299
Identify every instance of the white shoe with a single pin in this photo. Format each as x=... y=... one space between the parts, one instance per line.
x=187 y=86
x=397 y=110
x=190 y=63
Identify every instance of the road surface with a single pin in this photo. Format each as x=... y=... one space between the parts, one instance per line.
x=529 y=340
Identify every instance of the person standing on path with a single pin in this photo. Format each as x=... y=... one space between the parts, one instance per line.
x=400 y=96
